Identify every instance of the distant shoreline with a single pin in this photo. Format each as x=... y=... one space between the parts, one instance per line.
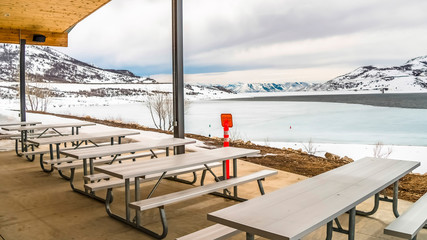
x=400 y=100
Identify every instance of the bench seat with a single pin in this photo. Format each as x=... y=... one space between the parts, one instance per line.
x=197 y=191
x=411 y=222
x=214 y=232
x=76 y=164
x=115 y=182
x=30 y=153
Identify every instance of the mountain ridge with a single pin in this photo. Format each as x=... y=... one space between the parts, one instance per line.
x=44 y=64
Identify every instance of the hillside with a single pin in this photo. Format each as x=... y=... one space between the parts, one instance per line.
x=411 y=76
x=267 y=87
x=47 y=65
x=44 y=64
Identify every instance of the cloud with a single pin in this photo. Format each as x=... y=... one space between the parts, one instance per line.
x=248 y=35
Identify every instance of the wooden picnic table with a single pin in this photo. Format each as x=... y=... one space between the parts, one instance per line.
x=294 y=211
x=5 y=124
x=139 y=170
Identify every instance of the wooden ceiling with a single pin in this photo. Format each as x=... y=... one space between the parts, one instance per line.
x=21 y=19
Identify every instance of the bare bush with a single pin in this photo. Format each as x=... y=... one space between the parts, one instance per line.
x=235 y=134
x=38 y=94
x=160 y=105
x=378 y=151
x=310 y=148
x=161 y=110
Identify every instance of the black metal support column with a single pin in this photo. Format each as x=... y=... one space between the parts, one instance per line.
x=22 y=80
x=178 y=72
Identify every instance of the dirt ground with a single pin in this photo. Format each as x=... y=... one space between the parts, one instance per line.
x=411 y=187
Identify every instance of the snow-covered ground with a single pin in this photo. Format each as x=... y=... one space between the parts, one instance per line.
x=358 y=151
x=355 y=151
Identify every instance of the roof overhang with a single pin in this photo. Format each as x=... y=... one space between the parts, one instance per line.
x=22 y=19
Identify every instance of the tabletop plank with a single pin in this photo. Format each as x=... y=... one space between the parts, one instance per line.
x=140 y=169
x=294 y=211
x=125 y=148
x=82 y=137
x=5 y=124
x=46 y=126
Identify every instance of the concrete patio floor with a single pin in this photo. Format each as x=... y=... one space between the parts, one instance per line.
x=37 y=205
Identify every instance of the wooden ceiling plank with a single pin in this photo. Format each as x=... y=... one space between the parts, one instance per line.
x=52 y=39
x=55 y=15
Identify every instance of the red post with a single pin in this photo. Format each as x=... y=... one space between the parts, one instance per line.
x=226 y=144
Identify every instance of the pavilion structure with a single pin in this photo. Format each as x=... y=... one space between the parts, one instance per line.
x=48 y=23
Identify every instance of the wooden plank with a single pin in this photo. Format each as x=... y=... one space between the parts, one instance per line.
x=410 y=222
x=46 y=126
x=126 y=148
x=82 y=137
x=165 y=164
x=294 y=211
x=17 y=122
x=46 y=15
x=214 y=232
x=198 y=191
x=52 y=38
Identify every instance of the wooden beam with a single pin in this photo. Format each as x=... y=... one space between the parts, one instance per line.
x=46 y=15
x=52 y=39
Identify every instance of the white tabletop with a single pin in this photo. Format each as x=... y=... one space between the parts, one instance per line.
x=18 y=123
x=86 y=153
x=82 y=137
x=46 y=126
x=140 y=169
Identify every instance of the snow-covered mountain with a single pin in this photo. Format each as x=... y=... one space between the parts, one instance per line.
x=44 y=64
x=54 y=75
x=411 y=76
x=267 y=87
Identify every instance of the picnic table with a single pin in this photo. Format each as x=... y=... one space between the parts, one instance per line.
x=294 y=211
x=161 y=166
x=44 y=127
x=116 y=150
x=78 y=140
x=5 y=124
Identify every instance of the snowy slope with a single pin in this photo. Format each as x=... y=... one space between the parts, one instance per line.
x=44 y=64
x=265 y=87
x=412 y=76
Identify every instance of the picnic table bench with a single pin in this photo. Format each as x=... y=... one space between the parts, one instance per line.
x=78 y=140
x=162 y=166
x=294 y=211
x=411 y=222
x=214 y=232
x=113 y=153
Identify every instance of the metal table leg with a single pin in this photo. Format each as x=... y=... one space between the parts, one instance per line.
x=127 y=199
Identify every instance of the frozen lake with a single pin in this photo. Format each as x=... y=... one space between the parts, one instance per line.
x=280 y=121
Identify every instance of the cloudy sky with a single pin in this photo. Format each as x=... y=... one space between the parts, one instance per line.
x=253 y=40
